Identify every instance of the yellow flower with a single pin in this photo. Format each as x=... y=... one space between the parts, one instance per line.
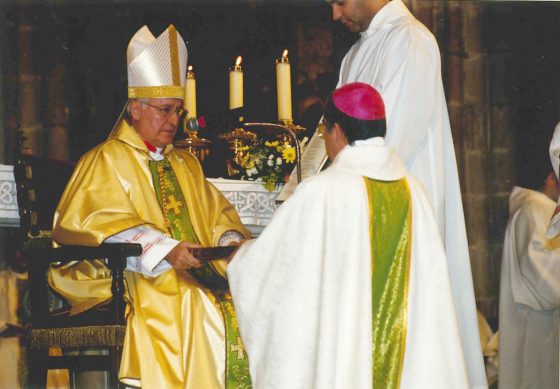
x=289 y=154
x=271 y=144
x=270 y=186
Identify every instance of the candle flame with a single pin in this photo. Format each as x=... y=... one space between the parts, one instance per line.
x=285 y=53
x=189 y=68
x=238 y=61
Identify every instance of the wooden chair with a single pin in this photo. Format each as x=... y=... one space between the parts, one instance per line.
x=40 y=183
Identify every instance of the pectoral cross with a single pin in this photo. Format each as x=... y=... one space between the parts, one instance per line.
x=237 y=348
x=174 y=205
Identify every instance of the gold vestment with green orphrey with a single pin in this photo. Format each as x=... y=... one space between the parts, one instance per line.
x=391 y=234
x=179 y=225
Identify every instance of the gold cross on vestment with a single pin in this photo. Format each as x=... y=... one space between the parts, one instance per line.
x=174 y=205
x=237 y=348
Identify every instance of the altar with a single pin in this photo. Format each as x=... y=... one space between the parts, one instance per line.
x=253 y=202
x=9 y=216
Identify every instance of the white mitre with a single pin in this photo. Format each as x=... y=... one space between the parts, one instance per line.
x=156 y=67
x=554 y=151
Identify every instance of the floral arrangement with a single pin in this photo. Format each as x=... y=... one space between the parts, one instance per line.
x=267 y=161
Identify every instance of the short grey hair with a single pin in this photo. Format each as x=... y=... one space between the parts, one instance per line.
x=142 y=100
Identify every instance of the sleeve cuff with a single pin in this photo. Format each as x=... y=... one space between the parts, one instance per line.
x=230 y=236
x=155 y=246
x=154 y=253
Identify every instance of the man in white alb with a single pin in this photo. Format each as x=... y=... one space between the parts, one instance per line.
x=398 y=56
x=530 y=283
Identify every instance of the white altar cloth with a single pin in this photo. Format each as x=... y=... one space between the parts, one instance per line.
x=9 y=216
x=252 y=201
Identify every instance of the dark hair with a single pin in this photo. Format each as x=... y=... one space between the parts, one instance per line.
x=354 y=129
x=532 y=168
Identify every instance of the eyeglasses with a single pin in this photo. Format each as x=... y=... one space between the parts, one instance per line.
x=321 y=129
x=166 y=112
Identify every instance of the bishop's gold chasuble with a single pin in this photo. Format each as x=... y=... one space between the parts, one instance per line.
x=390 y=231
x=177 y=322
x=178 y=222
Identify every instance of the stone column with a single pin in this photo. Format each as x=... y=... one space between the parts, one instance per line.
x=423 y=11
x=480 y=163
x=452 y=73
x=29 y=91
x=502 y=152
x=57 y=115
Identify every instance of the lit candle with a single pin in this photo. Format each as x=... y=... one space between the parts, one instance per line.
x=236 y=85
x=190 y=94
x=284 y=88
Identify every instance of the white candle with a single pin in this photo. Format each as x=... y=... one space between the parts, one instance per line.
x=236 y=85
x=284 y=88
x=190 y=94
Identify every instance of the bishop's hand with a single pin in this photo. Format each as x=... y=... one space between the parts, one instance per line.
x=237 y=245
x=181 y=257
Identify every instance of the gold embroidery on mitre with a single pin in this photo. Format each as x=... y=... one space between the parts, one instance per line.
x=152 y=92
x=174 y=54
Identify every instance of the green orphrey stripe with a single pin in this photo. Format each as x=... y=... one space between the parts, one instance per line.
x=174 y=208
x=390 y=231
x=179 y=221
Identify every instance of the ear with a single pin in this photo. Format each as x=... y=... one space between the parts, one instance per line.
x=339 y=134
x=551 y=179
x=135 y=110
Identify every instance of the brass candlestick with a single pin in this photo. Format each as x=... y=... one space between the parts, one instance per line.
x=238 y=139
x=289 y=124
x=292 y=126
x=200 y=147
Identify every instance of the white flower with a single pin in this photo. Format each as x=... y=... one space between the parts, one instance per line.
x=271 y=157
x=249 y=174
x=278 y=161
x=270 y=162
x=254 y=171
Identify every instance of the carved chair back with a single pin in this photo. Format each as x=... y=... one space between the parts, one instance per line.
x=40 y=183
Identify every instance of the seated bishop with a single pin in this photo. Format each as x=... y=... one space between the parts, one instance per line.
x=136 y=187
x=348 y=286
